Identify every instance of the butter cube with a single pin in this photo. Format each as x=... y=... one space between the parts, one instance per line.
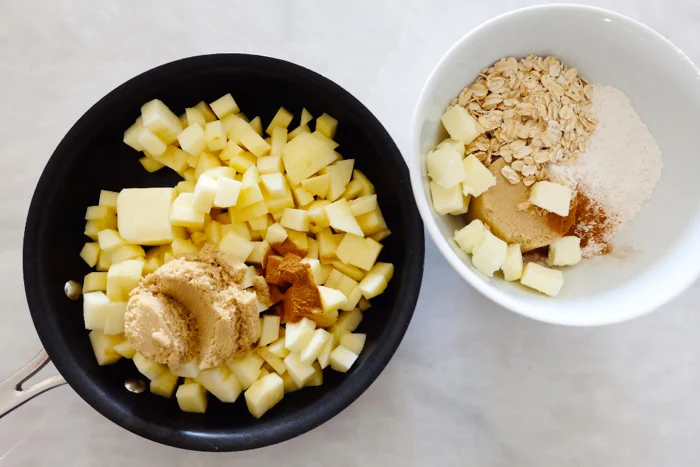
x=513 y=264
x=552 y=197
x=478 y=178
x=468 y=237
x=488 y=255
x=446 y=201
x=545 y=280
x=444 y=166
x=460 y=125
x=456 y=145
x=565 y=251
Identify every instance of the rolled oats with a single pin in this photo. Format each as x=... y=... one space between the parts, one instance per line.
x=536 y=111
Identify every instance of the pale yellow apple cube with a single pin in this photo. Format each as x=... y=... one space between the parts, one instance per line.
x=270 y=330
x=204 y=194
x=122 y=278
x=215 y=136
x=302 y=196
x=317 y=185
x=278 y=141
x=224 y=106
x=264 y=394
x=327 y=125
x=299 y=371
x=131 y=135
x=565 y=251
x=358 y=251
x=246 y=369
x=372 y=222
x=205 y=163
x=542 y=279
x=95 y=281
x=235 y=127
x=353 y=298
x=183 y=214
x=125 y=252
x=182 y=247
x=109 y=240
x=376 y=280
x=254 y=143
x=340 y=174
x=327 y=243
x=313 y=349
x=164 y=385
x=221 y=383
x=331 y=299
x=148 y=368
x=275 y=184
x=259 y=224
x=275 y=360
x=319 y=271
x=295 y=219
x=109 y=199
x=227 y=192
x=249 y=195
x=298 y=334
x=470 y=235
x=103 y=347
x=192 y=139
x=551 y=197
x=237 y=246
x=324 y=357
x=219 y=172
x=488 y=255
x=276 y=234
x=114 y=320
x=342 y=359
x=90 y=253
x=363 y=205
x=331 y=143
x=256 y=124
x=191 y=397
x=445 y=167
x=277 y=348
x=513 y=264
x=159 y=119
x=151 y=165
x=282 y=119
x=270 y=165
x=460 y=125
x=144 y=215
x=185 y=370
x=151 y=143
x=125 y=349
x=478 y=178
x=104 y=262
x=341 y=218
x=195 y=116
x=353 y=272
x=230 y=151
x=354 y=342
x=260 y=251
x=304 y=156
x=95 y=310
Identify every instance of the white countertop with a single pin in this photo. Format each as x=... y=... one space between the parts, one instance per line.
x=471 y=384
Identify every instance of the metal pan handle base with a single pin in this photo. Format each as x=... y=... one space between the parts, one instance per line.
x=12 y=394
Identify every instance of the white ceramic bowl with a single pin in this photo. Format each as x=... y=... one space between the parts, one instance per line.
x=664 y=87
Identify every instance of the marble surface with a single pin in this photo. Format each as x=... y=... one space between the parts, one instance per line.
x=471 y=383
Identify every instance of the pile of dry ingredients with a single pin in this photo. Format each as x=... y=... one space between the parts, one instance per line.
x=616 y=174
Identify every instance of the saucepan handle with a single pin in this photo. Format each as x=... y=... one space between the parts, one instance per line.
x=12 y=394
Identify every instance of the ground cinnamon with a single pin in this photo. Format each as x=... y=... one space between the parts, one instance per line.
x=594 y=226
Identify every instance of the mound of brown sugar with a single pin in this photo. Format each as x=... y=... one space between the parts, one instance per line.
x=193 y=307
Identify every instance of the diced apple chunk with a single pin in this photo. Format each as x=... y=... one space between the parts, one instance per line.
x=183 y=214
x=192 y=140
x=224 y=106
x=282 y=119
x=327 y=125
x=341 y=218
x=295 y=219
x=215 y=136
x=470 y=235
x=313 y=349
x=331 y=299
x=195 y=116
x=513 y=264
x=444 y=165
x=185 y=370
x=342 y=359
x=131 y=135
x=151 y=143
x=95 y=281
x=460 y=125
x=164 y=385
x=144 y=215
x=191 y=397
x=90 y=253
x=236 y=246
x=264 y=394
x=148 y=368
x=114 y=321
x=125 y=349
x=304 y=156
x=95 y=310
x=540 y=278
x=298 y=334
x=478 y=178
x=552 y=197
x=254 y=143
x=358 y=251
x=109 y=240
x=276 y=234
x=204 y=194
x=376 y=280
x=275 y=360
x=109 y=199
x=247 y=369
x=159 y=119
x=317 y=185
x=103 y=347
x=221 y=383
x=340 y=174
x=122 y=278
x=354 y=342
x=565 y=251
x=299 y=371
x=270 y=330
x=324 y=358
x=227 y=191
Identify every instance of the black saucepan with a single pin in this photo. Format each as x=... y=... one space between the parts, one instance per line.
x=92 y=157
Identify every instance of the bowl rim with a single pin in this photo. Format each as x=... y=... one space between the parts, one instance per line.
x=259 y=434
x=500 y=297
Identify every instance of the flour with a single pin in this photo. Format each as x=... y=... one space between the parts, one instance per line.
x=620 y=168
